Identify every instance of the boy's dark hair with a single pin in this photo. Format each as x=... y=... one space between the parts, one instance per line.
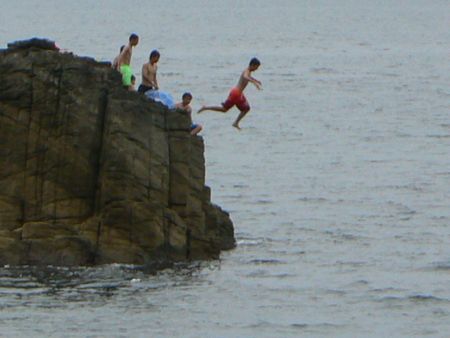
x=133 y=78
x=154 y=53
x=254 y=62
x=133 y=37
x=187 y=94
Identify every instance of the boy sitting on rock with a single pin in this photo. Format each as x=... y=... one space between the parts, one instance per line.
x=185 y=105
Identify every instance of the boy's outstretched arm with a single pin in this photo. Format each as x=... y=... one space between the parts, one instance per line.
x=257 y=83
x=251 y=79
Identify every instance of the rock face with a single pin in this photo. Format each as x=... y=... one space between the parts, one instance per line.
x=91 y=173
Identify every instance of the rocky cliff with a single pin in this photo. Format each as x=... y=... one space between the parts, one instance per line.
x=91 y=173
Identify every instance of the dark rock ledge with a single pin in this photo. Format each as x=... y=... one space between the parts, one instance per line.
x=91 y=173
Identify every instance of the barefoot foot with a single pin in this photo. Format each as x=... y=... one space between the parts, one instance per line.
x=236 y=126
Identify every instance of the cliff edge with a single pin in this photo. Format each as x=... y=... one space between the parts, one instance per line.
x=91 y=173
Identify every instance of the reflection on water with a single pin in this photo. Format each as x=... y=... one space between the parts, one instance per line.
x=89 y=284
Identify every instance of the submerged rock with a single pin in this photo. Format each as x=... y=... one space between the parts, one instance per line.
x=91 y=173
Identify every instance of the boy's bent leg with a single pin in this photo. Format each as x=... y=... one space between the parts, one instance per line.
x=229 y=102
x=196 y=128
x=213 y=108
x=244 y=107
x=239 y=118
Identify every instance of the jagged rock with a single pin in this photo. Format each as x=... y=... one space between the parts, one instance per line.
x=33 y=43
x=91 y=173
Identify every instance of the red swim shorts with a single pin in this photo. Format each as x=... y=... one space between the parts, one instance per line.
x=236 y=97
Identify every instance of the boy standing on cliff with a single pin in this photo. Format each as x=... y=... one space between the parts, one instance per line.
x=236 y=96
x=125 y=60
x=149 y=69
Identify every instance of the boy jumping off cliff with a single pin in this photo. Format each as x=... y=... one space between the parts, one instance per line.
x=125 y=60
x=236 y=96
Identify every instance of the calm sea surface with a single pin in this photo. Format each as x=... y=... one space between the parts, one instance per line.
x=338 y=184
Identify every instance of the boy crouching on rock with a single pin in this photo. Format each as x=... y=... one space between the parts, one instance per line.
x=185 y=105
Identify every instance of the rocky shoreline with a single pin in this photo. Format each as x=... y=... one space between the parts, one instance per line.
x=91 y=173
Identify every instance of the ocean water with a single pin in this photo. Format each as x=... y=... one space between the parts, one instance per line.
x=338 y=183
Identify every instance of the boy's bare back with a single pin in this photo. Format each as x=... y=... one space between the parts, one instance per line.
x=243 y=82
x=125 y=56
